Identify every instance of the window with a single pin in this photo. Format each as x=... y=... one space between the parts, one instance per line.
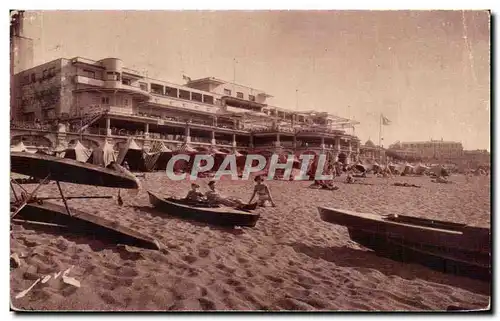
x=239 y=95
x=184 y=94
x=125 y=102
x=196 y=97
x=157 y=89
x=110 y=75
x=44 y=74
x=251 y=97
x=171 y=92
x=208 y=99
x=126 y=82
x=143 y=86
x=33 y=77
x=227 y=92
x=89 y=73
x=105 y=100
x=52 y=71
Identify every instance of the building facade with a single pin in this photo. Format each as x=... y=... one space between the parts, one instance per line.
x=432 y=149
x=104 y=100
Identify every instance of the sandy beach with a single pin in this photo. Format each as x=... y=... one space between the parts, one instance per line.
x=290 y=261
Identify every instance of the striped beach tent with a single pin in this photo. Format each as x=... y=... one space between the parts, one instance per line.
x=157 y=157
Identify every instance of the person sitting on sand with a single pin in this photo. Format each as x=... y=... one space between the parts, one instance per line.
x=441 y=179
x=349 y=179
x=194 y=195
x=263 y=193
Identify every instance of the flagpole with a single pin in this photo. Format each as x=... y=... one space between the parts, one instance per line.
x=234 y=75
x=380 y=131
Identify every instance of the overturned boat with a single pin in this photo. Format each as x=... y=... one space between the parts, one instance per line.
x=53 y=216
x=445 y=246
x=223 y=216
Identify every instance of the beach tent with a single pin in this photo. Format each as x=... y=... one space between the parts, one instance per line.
x=157 y=157
x=439 y=170
x=376 y=167
x=19 y=147
x=131 y=153
x=182 y=165
x=218 y=156
x=420 y=169
x=102 y=155
x=408 y=169
x=77 y=152
x=360 y=167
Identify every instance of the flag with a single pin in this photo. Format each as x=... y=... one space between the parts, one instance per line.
x=385 y=121
x=186 y=78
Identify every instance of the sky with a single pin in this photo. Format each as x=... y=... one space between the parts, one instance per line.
x=426 y=71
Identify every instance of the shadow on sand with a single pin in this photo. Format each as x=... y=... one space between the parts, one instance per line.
x=96 y=243
x=348 y=257
x=155 y=213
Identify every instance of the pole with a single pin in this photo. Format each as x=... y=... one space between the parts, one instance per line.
x=234 y=75
x=380 y=131
x=296 y=99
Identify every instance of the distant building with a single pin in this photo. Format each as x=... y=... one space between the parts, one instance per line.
x=369 y=152
x=432 y=149
x=475 y=158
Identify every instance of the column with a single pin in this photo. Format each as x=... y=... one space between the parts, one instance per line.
x=322 y=142
x=108 y=126
x=187 y=134
x=251 y=141
x=215 y=121
x=234 y=124
x=213 y=142
x=146 y=130
x=337 y=144
x=277 y=143
x=234 y=140
x=294 y=141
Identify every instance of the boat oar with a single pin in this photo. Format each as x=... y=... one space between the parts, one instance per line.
x=69 y=197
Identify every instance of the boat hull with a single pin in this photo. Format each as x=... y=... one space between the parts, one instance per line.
x=85 y=223
x=216 y=216
x=68 y=170
x=444 y=246
x=469 y=264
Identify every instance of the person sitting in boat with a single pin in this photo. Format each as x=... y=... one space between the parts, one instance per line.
x=263 y=193
x=215 y=198
x=194 y=195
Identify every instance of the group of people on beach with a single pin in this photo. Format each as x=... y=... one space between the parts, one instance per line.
x=213 y=197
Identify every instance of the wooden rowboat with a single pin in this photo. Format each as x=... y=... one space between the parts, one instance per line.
x=68 y=170
x=214 y=215
x=445 y=246
x=79 y=222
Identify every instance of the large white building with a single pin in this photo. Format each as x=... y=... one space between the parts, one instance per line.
x=203 y=112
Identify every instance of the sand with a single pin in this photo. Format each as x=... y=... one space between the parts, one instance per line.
x=290 y=261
